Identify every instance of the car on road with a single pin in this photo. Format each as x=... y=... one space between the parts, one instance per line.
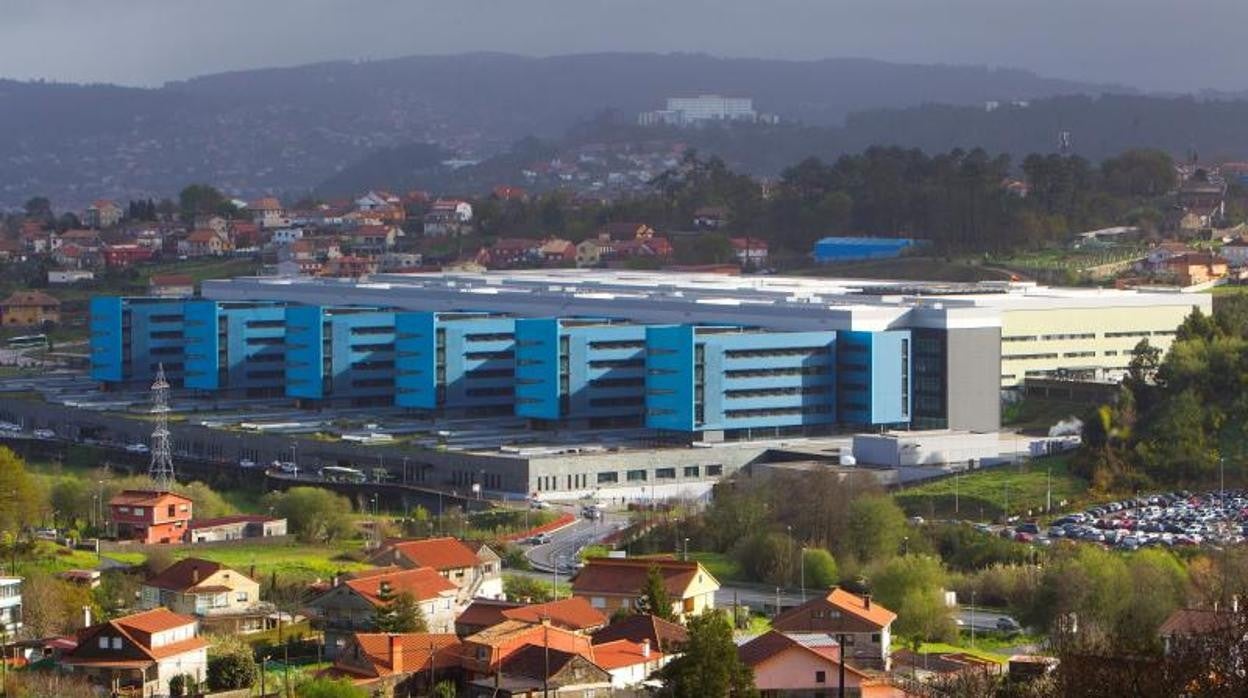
x=540 y=539
x=44 y=434
x=1008 y=625
x=286 y=467
x=246 y=463
x=137 y=448
x=538 y=504
x=10 y=426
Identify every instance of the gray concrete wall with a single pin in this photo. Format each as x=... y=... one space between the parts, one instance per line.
x=974 y=389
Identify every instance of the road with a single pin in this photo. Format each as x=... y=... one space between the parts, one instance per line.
x=980 y=618
x=567 y=542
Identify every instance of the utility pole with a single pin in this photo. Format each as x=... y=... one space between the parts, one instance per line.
x=840 y=666
x=1048 y=489
x=802 y=564
x=972 y=618
x=957 y=476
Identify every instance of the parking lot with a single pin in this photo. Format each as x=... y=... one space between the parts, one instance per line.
x=1169 y=519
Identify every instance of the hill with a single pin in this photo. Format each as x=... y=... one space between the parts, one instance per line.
x=286 y=130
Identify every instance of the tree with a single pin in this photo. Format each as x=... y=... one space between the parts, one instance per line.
x=232 y=671
x=911 y=585
x=654 y=597
x=444 y=689
x=22 y=502
x=710 y=666
x=526 y=589
x=51 y=606
x=202 y=200
x=330 y=688
x=209 y=504
x=313 y=514
x=39 y=207
x=876 y=528
x=769 y=557
x=820 y=568
x=401 y=614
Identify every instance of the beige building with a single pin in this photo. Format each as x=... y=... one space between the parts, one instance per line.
x=1087 y=333
x=610 y=584
x=225 y=601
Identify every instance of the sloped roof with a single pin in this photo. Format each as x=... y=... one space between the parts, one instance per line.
x=135 y=628
x=439 y=553
x=857 y=606
x=29 y=298
x=415 y=649
x=188 y=574
x=621 y=653
x=628 y=575
x=661 y=633
x=573 y=613
x=773 y=643
x=423 y=583
x=1196 y=621
x=532 y=661
x=485 y=612
x=144 y=498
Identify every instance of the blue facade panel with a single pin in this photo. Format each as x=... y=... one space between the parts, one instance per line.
x=538 y=368
x=131 y=337
x=580 y=369
x=203 y=350
x=455 y=360
x=107 y=357
x=236 y=346
x=875 y=377
x=305 y=352
x=714 y=379
x=670 y=377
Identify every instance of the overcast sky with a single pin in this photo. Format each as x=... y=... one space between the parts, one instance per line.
x=1179 y=45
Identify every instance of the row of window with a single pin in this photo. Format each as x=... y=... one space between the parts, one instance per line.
x=609 y=477
x=1085 y=335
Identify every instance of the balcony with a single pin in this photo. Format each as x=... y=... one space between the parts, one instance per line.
x=260 y=608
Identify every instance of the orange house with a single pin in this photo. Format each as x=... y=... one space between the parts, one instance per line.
x=484 y=651
x=147 y=516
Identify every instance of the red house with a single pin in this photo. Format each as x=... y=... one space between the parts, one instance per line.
x=147 y=516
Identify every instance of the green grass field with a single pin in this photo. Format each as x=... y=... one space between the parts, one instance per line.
x=720 y=565
x=944 y=648
x=983 y=494
x=291 y=562
x=1037 y=415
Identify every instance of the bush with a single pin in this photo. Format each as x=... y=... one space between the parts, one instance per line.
x=232 y=671
x=768 y=557
x=821 y=572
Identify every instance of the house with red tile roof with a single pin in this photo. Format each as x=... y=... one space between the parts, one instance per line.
x=536 y=670
x=866 y=624
x=148 y=516
x=102 y=214
x=204 y=242
x=30 y=309
x=400 y=664
x=352 y=605
x=638 y=627
x=610 y=584
x=570 y=614
x=225 y=600
x=171 y=286
x=806 y=665
x=475 y=573
x=485 y=651
x=138 y=654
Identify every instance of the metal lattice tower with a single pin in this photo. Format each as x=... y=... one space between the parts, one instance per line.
x=161 y=469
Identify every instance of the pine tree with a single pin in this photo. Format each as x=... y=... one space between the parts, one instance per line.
x=654 y=597
x=399 y=613
x=710 y=666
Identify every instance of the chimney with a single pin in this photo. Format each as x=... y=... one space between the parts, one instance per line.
x=645 y=648
x=194 y=574
x=396 y=653
x=866 y=601
x=86 y=616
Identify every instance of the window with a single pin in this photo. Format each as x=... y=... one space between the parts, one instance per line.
x=636 y=476
x=117 y=643
x=714 y=470
x=821 y=677
x=103 y=643
x=692 y=471
x=597 y=602
x=875 y=637
x=665 y=474
x=138 y=511
x=123 y=510
x=240 y=596
x=608 y=477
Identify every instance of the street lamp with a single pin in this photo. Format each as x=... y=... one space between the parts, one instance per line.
x=802 y=564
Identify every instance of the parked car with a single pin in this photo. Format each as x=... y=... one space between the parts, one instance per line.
x=44 y=434
x=246 y=463
x=1008 y=625
x=137 y=448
